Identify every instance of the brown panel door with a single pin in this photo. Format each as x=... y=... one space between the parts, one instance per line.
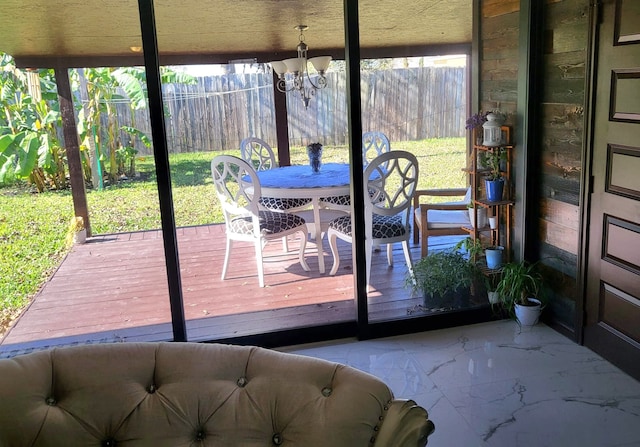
x=612 y=320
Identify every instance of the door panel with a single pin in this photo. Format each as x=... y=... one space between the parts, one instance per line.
x=612 y=324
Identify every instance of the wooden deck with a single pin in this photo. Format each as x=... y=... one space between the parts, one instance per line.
x=114 y=288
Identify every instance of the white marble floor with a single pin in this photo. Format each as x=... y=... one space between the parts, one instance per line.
x=491 y=384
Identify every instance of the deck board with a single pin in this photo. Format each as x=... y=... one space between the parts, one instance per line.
x=114 y=287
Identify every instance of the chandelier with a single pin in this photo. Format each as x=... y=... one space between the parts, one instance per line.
x=300 y=80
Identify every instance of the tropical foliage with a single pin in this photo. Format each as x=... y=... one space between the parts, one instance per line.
x=30 y=148
x=29 y=145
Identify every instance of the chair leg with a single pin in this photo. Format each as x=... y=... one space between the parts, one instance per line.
x=368 y=249
x=333 y=243
x=407 y=257
x=285 y=245
x=226 y=259
x=259 y=245
x=303 y=246
x=390 y=255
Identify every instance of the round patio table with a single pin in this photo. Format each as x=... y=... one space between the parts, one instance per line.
x=296 y=182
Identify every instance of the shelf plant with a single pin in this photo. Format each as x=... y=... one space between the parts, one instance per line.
x=444 y=278
x=520 y=286
x=494 y=180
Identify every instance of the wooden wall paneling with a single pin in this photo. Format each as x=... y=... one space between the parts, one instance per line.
x=562 y=140
x=499 y=57
x=493 y=8
x=559 y=225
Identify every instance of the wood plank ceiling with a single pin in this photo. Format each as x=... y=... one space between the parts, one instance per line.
x=41 y=33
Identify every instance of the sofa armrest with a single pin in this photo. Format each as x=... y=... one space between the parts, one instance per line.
x=405 y=425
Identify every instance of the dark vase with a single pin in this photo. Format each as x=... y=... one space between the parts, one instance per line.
x=314 y=151
x=494 y=190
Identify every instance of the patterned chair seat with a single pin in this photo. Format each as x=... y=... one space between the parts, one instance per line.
x=383 y=226
x=274 y=203
x=345 y=201
x=271 y=222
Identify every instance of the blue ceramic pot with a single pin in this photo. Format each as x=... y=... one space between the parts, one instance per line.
x=494 y=257
x=494 y=189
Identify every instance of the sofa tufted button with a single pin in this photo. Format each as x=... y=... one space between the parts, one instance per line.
x=152 y=389
x=242 y=382
x=50 y=401
x=200 y=435
x=372 y=440
x=109 y=442
x=326 y=391
x=277 y=439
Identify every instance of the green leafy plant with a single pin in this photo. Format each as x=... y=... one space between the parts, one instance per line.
x=29 y=147
x=473 y=246
x=442 y=273
x=519 y=281
x=493 y=160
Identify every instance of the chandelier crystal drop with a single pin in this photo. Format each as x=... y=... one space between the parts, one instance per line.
x=299 y=79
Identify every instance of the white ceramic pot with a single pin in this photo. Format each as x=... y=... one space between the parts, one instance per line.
x=482 y=216
x=80 y=237
x=529 y=315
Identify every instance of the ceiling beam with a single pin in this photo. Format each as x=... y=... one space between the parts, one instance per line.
x=135 y=60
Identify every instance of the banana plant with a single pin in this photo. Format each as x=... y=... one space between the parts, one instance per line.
x=29 y=148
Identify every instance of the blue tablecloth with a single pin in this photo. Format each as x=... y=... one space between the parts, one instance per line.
x=301 y=176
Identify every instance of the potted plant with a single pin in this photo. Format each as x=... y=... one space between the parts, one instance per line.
x=472 y=246
x=77 y=233
x=493 y=254
x=443 y=277
x=520 y=291
x=494 y=181
x=490 y=279
x=477 y=215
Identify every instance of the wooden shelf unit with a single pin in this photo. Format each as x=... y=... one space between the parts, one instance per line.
x=502 y=210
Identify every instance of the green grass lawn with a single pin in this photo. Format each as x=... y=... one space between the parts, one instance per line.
x=34 y=227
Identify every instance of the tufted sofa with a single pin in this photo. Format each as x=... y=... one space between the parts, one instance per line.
x=189 y=394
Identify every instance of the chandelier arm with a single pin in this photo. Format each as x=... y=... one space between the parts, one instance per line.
x=322 y=82
x=282 y=86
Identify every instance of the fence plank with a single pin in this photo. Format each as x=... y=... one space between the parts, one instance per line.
x=219 y=111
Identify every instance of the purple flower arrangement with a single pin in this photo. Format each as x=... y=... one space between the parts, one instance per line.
x=476 y=120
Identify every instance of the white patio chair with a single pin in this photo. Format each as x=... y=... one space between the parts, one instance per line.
x=373 y=144
x=238 y=189
x=391 y=180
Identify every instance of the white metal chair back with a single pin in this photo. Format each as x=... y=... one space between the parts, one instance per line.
x=373 y=144
x=255 y=150
x=392 y=179
x=238 y=189
x=390 y=182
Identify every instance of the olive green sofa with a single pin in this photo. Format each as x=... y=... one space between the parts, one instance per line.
x=190 y=394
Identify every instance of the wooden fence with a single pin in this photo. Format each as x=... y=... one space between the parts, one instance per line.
x=219 y=111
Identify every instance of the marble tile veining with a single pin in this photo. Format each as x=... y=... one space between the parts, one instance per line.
x=493 y=384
